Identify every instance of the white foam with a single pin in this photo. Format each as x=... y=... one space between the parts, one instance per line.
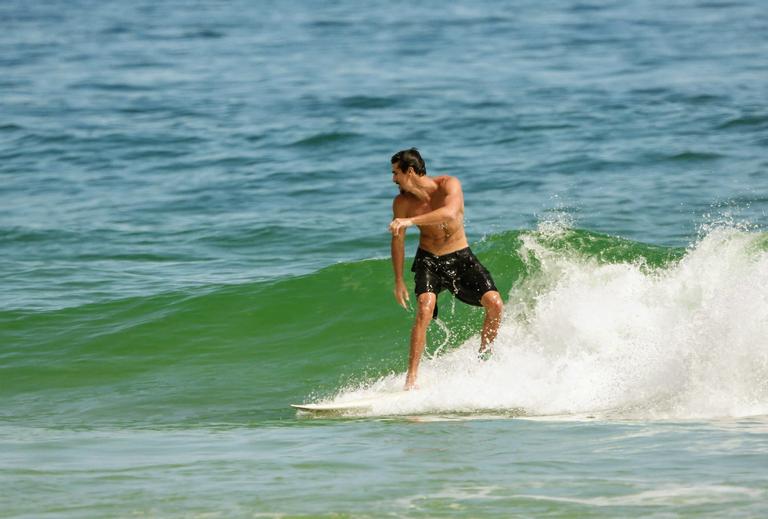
x=699 y=495
x=580 y=337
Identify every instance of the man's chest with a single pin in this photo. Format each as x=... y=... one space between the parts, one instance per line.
x=418 y=207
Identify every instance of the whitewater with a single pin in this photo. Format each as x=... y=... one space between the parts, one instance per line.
x=581 y=336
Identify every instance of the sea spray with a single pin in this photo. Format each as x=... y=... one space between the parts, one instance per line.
x=626 y=340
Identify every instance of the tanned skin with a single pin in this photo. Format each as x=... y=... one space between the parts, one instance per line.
x=436 y=206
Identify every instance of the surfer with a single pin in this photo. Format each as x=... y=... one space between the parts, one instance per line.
x=443 y=260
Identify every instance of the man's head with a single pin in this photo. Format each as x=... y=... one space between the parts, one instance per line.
x=406 y=165
x=410 y=158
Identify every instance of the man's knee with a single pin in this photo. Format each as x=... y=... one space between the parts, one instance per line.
x=427 y=302
x=492 y=303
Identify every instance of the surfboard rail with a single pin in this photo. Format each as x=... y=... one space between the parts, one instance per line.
x=358 y=405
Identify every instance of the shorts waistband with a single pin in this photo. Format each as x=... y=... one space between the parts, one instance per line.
x=461 y=252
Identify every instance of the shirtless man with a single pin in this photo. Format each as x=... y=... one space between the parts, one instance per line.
x=436 y=206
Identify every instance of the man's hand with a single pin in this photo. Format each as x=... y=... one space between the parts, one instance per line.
x=401 y=295
x=399 y=223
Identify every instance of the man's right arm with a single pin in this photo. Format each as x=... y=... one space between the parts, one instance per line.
x=398 y=255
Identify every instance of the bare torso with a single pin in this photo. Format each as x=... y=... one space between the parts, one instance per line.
x=438 y=239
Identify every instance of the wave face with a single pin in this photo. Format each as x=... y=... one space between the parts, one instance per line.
x=593 y=324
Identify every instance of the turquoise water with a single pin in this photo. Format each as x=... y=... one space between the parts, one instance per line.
x=193 y=209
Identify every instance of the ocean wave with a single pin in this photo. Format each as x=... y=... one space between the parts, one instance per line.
x=593 y=324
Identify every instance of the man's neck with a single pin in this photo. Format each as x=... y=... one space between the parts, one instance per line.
x=424 y=189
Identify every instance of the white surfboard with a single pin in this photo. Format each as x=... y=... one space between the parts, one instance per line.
x=358 y=405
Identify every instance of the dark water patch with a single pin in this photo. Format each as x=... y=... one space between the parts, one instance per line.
x=587 y=41
x=28 y=58
x=141 y=65
x=650 y=92
x=143 y=107
x=493 y=185
x=21 y=235
x=615 y=106
x=721 y=5
x=466 y=122
x=205 y=34
x=690 y=156
x=472 y=21
x=544 y=127
x=111 y=87
x=255 y=137
x=697 y=99
x=10 y=128
x=36 y=139
x=329 y=24
x=116 y=29
x=175 y=33
x=323 y=139
x=14 y=83
x=581 y=7
x=483 y=105
x=583 y=164
x=368 y=102
x=7 y=159
x=522 y=183
x=152 y=154
x=746 y=121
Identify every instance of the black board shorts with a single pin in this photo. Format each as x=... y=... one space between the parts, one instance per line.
x=459 y=272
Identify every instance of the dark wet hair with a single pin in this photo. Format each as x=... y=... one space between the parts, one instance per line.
x=410 y=158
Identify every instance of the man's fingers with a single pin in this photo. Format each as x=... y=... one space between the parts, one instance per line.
x=399 y=298
x=394 y=227
x=402 y=298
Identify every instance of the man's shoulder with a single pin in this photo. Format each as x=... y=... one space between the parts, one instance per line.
x=449 y=182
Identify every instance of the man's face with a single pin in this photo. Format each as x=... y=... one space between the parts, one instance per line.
x=399 y=178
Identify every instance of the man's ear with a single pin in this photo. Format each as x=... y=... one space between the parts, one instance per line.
x=410 y=170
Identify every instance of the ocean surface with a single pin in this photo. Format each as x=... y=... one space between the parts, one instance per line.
x=193 y=207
